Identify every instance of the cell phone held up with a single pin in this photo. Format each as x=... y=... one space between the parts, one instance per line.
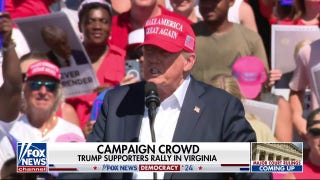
x=133 y=67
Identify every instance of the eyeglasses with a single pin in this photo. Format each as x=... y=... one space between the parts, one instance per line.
x=314 y=131
x=36 y=85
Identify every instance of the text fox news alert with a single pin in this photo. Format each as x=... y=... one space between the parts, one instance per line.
x=159 y=157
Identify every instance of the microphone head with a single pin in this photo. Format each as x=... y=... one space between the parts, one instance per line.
x=151 y=94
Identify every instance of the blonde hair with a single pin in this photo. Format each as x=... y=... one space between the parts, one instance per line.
x=228 y=83
x=252 y=117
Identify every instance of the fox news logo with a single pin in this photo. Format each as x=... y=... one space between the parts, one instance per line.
x=32 y=157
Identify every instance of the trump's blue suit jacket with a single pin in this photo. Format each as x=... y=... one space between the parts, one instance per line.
x=219 y=118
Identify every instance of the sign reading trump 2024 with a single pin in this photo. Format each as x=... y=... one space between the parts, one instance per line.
x=31 y=157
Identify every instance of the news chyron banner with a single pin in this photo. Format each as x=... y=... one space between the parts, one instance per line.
x=133 y=157
x=157 y=157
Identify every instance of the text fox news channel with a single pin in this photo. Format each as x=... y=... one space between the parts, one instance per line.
x=159 y=157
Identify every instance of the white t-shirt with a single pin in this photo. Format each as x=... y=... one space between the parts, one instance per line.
x=233 y=13
x=6 y=149
x=22 y=130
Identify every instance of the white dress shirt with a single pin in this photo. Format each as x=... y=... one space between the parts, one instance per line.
x=165 y=123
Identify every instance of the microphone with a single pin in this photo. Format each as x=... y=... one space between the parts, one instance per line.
x=152 y=102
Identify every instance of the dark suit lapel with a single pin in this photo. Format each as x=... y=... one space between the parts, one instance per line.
x=190 y=112
x=131 y=111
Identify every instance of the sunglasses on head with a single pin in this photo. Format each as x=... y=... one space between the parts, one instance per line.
x=314 y=131
x=36 y=85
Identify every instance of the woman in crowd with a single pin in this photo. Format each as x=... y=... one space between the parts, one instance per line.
x=230 y=84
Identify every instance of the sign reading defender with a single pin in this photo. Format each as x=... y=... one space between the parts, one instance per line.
x=32 y=157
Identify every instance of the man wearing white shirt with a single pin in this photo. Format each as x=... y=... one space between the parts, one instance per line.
x=189 y=111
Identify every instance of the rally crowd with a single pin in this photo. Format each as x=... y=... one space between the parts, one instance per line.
x=205 y=56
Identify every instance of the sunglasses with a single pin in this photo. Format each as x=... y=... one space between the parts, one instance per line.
x=314 y=131
x=36 y=85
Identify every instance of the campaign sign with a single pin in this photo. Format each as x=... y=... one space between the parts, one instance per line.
x=32 y=157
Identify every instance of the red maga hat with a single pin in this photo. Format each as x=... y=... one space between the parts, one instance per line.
x=172 y=34
x=43 y=67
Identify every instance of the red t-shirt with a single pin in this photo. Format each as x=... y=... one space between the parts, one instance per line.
x=310 y=171
x=110 y=72
x=286 y=21
x=26 y=8
x=121 y=27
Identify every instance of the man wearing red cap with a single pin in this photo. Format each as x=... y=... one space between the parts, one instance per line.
x=189 y=111
x=42 y=93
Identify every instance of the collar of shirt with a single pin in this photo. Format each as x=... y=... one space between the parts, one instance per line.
x=174 y=101
x=63 y=61
x=179 y=95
